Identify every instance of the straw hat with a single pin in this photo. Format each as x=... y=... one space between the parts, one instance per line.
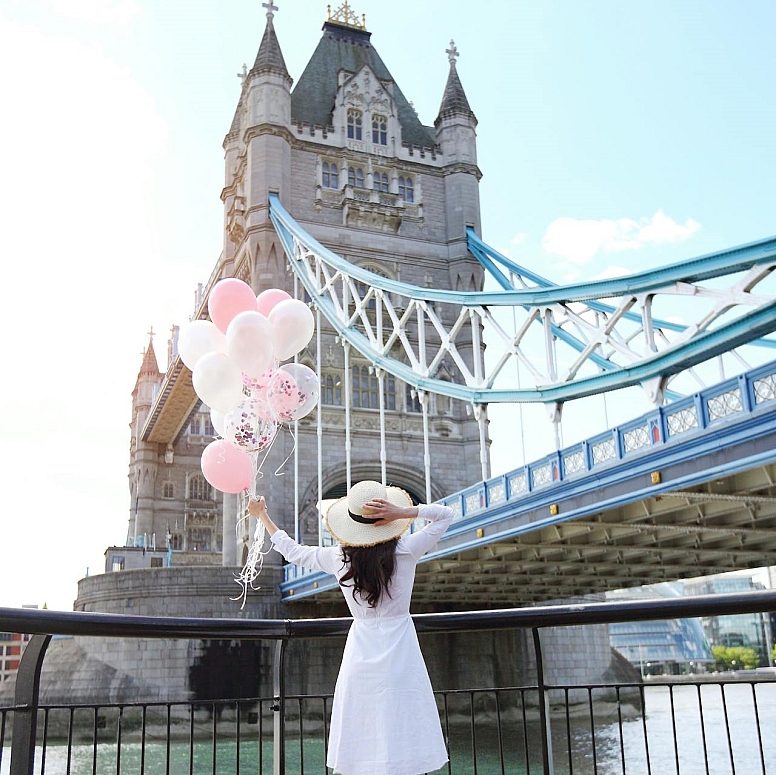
x=349 y=523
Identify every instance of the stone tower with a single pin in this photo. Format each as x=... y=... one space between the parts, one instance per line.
x=351 y=161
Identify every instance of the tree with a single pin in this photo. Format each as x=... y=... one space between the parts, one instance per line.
x=735 y=658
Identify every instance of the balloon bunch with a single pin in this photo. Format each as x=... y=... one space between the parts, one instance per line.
x=234 y=358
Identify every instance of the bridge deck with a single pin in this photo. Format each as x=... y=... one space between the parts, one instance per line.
x=686 y=490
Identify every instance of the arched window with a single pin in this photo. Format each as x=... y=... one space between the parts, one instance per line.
x=356 y=177
x=355 y=124
x=330 y=175
x=365 y=395
x=380 y=182
x=331 y=390
x=379 y=130
x=199 y=489
x=406 y=189
x=195 y=427
x=366 y=389
x=168 y=491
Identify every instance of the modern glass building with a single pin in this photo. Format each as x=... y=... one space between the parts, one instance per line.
x=670 y=647
x=747 y=630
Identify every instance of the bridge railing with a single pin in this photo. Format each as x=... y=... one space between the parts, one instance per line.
x=735 y=397
x=499 y=728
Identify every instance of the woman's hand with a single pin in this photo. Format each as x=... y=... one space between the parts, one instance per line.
x=385 y=511
x=257 y=507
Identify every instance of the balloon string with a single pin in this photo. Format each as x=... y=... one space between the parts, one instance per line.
x=253 y=565
x=293 y=449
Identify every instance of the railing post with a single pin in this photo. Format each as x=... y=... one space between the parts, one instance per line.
x=279 y=709
x=25 y=713
x=544 y=706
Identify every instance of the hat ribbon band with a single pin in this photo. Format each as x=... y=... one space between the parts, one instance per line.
x=362 y=520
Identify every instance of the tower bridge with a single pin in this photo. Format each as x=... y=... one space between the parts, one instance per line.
x=429 y=346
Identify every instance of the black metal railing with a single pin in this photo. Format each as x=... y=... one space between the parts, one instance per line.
x=704 y=726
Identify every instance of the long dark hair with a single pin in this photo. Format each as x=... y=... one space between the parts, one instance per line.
x=370 y=568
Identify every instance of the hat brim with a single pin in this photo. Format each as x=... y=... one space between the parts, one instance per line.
x=348 y=532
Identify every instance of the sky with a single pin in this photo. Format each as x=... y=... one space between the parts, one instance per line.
x=612 y=137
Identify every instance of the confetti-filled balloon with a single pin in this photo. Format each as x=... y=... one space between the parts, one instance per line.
x=293 y=391
x=251 y=425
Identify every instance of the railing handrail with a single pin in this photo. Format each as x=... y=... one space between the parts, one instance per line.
x=34 y=621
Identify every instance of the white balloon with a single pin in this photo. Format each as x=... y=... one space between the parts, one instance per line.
x=250 y=341
x=218 y=382
x=294 y=325
x=217 y=418
x=198 y=338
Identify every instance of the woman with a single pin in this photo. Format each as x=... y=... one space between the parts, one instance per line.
x=384 y=719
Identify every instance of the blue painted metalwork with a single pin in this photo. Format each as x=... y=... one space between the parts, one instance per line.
x=486 y=255
x=738 y=410
x=673 y=360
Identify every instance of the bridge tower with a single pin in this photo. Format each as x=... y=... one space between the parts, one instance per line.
x=350 y=159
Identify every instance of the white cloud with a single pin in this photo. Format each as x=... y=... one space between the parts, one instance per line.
x=579 y=240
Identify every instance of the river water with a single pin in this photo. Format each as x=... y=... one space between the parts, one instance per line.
x=716 y=736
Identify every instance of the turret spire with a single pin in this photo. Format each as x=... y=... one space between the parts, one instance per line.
x=454 y=99
x=270 y=57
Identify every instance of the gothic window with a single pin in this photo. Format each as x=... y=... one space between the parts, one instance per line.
x=355 y=124
x=331 y=389
x=366 y=389
x=411 y=399
x=379 y=130
x=208 y=424
x=176 y=542
x=330 y=175
x=199 y=489
x=356 y=177
x=168 y=491
x=406 y=189
x=199 y=539
x=195 y=427
x=380 y=182
x=389 y=388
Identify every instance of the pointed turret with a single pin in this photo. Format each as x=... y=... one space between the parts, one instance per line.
x=454 y=102
x=270 y=57
x=456 y=131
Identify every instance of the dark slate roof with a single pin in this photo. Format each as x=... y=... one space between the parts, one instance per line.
x=348 y=48
x=270 y=57
x=454 y=99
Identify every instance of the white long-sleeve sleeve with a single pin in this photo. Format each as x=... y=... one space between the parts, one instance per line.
x=438 y=519
x=323 y=558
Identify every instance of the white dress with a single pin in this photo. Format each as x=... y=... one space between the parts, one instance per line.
x=384 y=719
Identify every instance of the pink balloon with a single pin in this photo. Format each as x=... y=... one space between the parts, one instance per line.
x=226 y=467
x=266 y=300
x=228 y=298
